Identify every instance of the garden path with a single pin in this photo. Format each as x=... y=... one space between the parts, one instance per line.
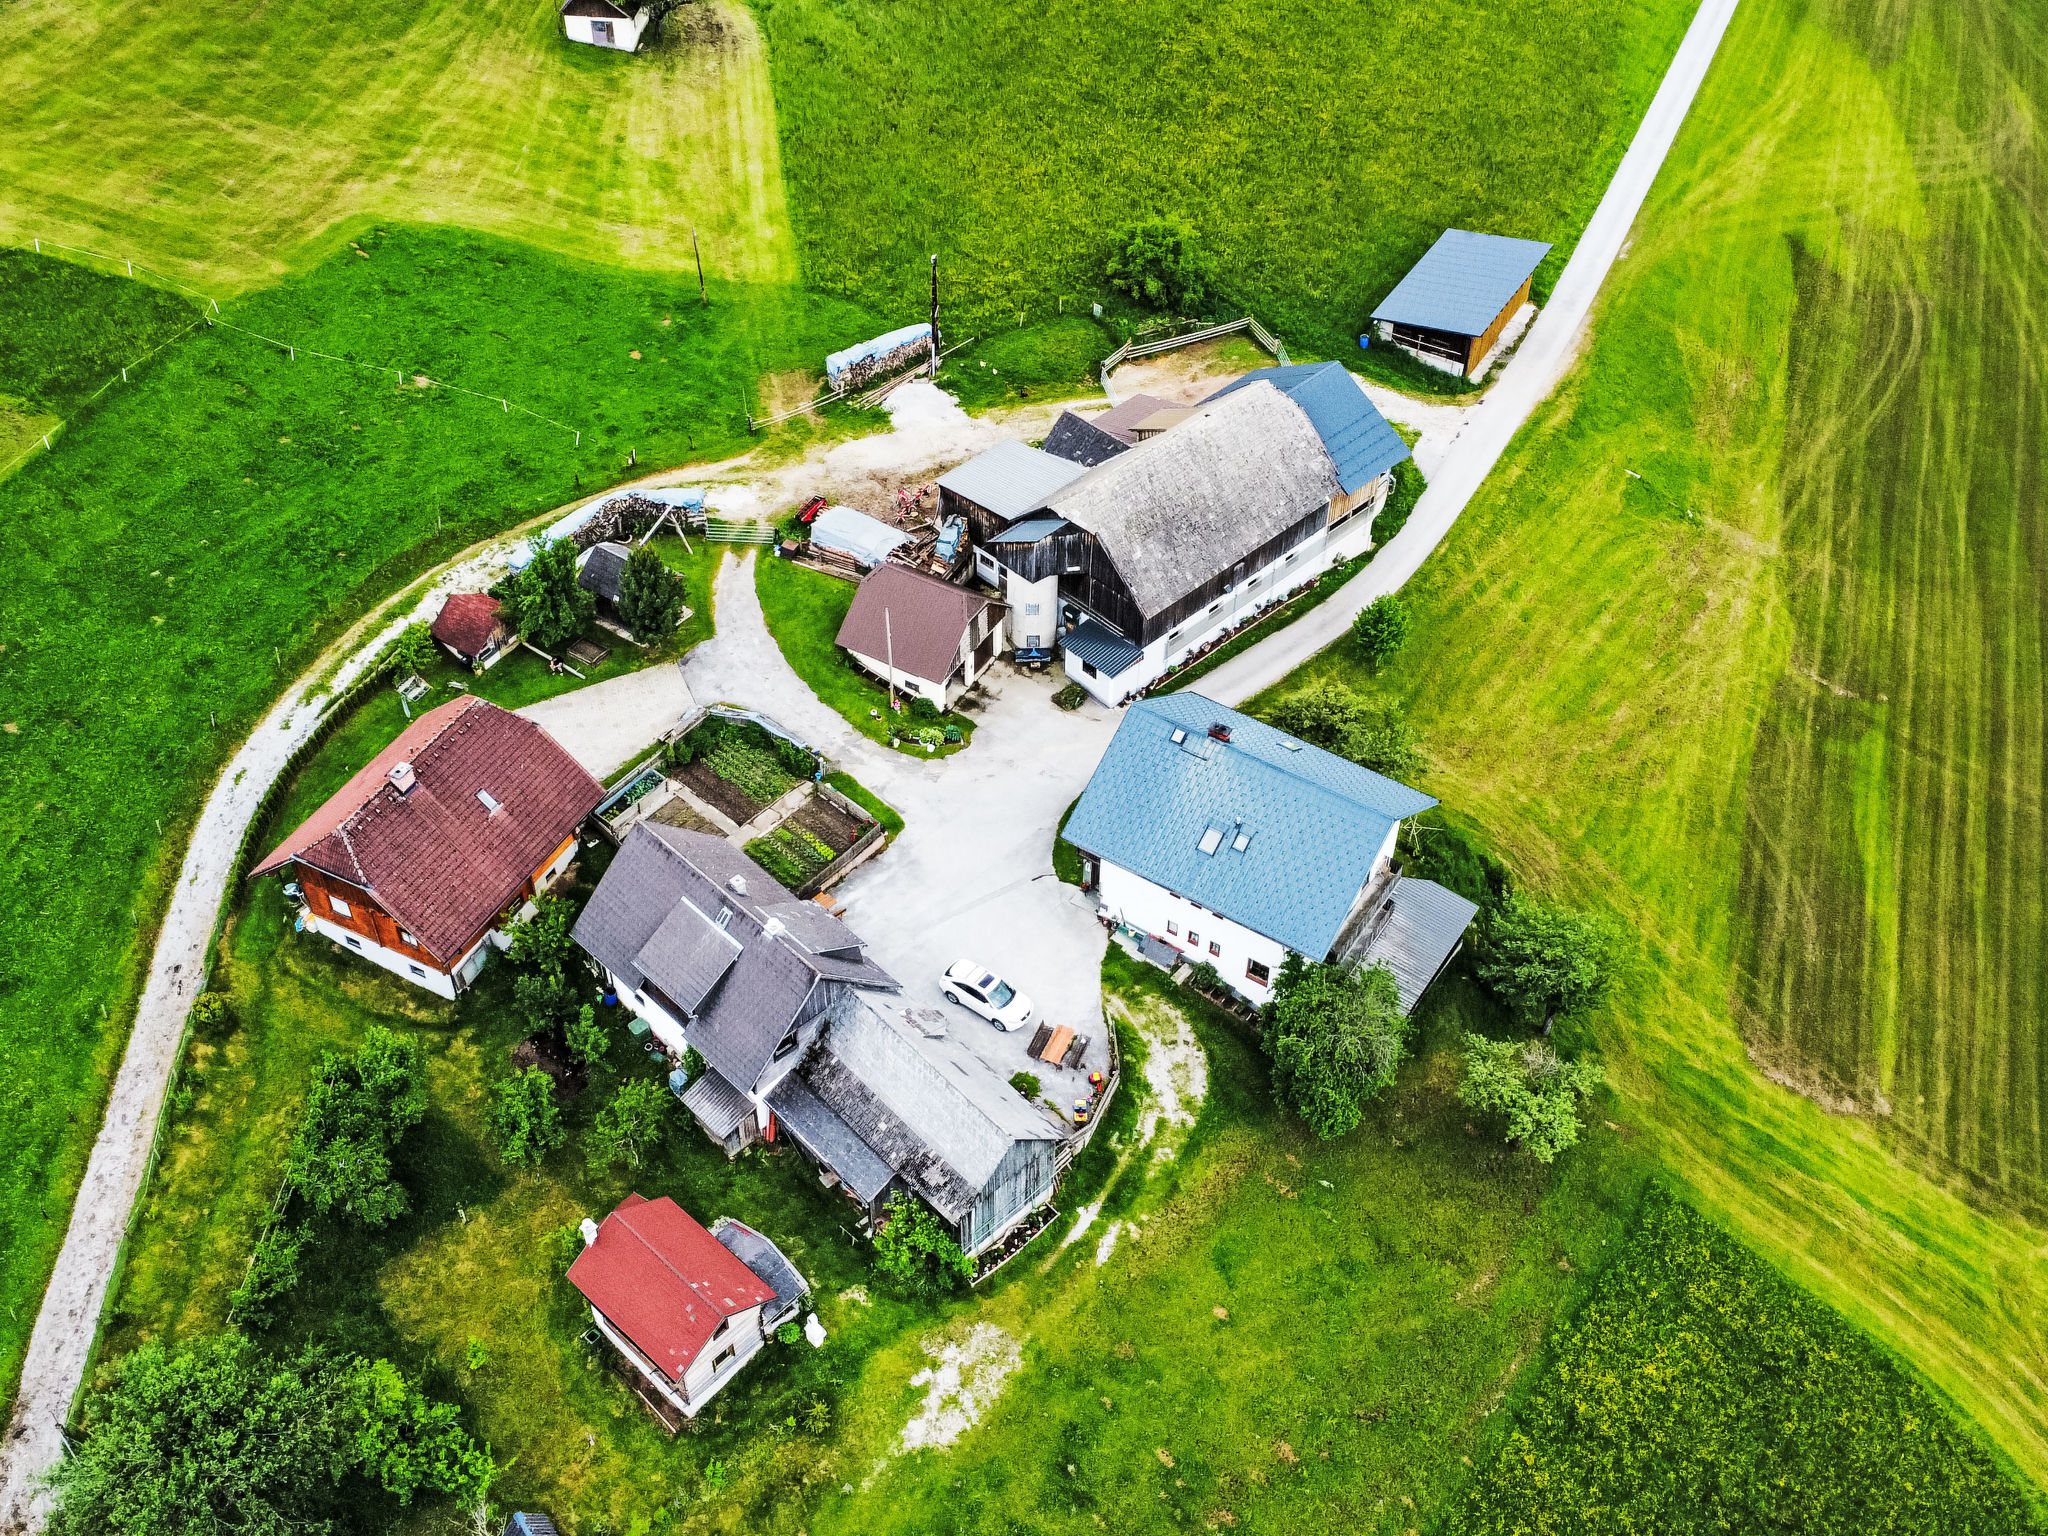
x=1525 y=381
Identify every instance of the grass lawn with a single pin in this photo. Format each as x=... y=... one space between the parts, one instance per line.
x=804 y=609
x=216 y=153
x=1317 y=148
x=203 y=531
x=1796 y=741
x=867 y=800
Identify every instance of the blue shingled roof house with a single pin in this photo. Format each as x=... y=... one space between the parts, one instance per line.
x=1453 y=305
x=1237 y=844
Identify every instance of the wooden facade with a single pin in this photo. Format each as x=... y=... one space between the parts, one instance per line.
x=1483 y=343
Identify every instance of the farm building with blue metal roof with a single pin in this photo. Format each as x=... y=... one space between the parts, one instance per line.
x=1453 y=305
x=1237 y=844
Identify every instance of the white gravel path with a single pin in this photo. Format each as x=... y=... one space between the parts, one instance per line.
x=605 y=725
x=1525 y=381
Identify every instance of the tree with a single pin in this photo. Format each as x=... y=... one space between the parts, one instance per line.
x=543 y=942
x=650 y=594
x=1159 y=263
x=1380 y=629
x=1541 y=959
x=273 y=1274
x=586 y=1039
x=543 y=602
x=524 y=1119
x=545 y=1001
x=358 y=1108
x=413 y=650
x=1335 y=1038
x=1370 y=732
x=406 y=1440
x=628 y=1126
x=1530 y=1088
x=914 y=1251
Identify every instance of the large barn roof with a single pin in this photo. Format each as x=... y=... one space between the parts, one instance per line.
x=1462 y=282
x=1179 y=507
x=1355 y=435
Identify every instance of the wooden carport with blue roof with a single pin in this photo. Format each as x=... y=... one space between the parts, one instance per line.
x=1453 y=305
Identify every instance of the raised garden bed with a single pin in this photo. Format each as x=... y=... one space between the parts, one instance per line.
x=718 y=792
x=792 y=854
x=826 y=821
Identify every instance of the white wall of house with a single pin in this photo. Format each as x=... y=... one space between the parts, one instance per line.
x=623 y=35
x=906 y=682
x=1136 y=902
x=716 y=1363
x=440 y=983
x=667 y=1028
x=1034 y=611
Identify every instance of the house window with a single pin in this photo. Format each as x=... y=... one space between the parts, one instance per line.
x=419 y=971
x=1173 y=928
x=601 y=33
x=1089 y=669
x=1194 y=939
x=788 y=1044
x=724 y=1355
x=724 y=917
x=1034 y=642
x=1215 y=947
x=1258 y=971
x=406 y=938
x=351 y=941
x=1031 y=610
x=341 y=908
x=1290 y=557
x=1211 y=840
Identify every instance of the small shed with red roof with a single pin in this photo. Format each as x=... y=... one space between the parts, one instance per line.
x=683 y=1306
x=471 y=628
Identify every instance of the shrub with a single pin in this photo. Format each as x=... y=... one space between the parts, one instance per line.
x=922 y=708
x=524 y=1119
x=628 y=1126
x=1066 y=858
x=587 y=1040
x=273 y=1275
x=693 y=1063
x=1380 y=629
x=1527 y=1086
x=1025 y=1084
x=406 y=1440
x=1335 y=1038
x=914 y=1252
x=1070 y=697
x=1409 y=485
x=790 y=1333
x=1540 y=959
x=1370 y=732
x=1204 y=977
x=650 y=595
x=544 y=1001
x=413 y=650
x=1159 y=264
x=358 y=1108
x=210 y=1010
x=542 y=942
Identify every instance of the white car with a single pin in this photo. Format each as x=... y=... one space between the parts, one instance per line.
x=987 y=994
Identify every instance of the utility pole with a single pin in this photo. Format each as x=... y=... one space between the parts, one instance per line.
x=935 y=314
x=695 y=251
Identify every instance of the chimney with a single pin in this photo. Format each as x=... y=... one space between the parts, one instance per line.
x=1220 y=731
x=773 y=928
x=402 y=777
x=738 y=884
x=589 y=1232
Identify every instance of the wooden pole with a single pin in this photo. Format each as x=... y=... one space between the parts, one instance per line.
x=702 y=292
x=935 y=314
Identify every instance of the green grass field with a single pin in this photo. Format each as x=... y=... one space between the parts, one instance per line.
x=204 y=530
x=217 y=149
x=1317 y=147
x=1796 y=741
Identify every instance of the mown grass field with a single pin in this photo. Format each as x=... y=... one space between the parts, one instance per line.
x=1796 y=740
x=1318 y=148
x=216 y=147
x=204 y=530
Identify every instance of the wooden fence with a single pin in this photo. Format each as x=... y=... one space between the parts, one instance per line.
x=1135 y=348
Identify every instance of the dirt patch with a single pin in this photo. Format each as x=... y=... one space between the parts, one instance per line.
x=965 y=1376
x=540 y=1051
x=1191 y=373
x=720 y=794
x=1176 y=1072
x=828 y=823
x=678 y=812
x=786 y=391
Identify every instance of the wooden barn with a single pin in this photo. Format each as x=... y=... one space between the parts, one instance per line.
x=1453 y=305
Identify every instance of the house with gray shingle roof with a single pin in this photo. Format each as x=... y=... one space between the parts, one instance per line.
x=702 y=943
x=1453 y=305
x=1205 y=518
x=1236 y=845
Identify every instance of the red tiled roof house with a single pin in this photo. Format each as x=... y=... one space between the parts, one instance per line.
x=470 y=628
x=932 y=637
x=685 y=1308
x=439 y=840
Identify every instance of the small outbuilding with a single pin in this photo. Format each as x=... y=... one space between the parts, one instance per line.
x=1453 y=306
x=599 y=571
x=606 y=25
x=471 y=628
x=924 y=635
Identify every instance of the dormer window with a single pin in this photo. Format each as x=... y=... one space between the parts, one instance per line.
x=788 y=1044
x=489 y=801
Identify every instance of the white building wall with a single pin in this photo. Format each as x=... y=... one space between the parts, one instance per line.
x=1136 y=902
x=1023 y=596
x=626 y=34
x=666 y=1027
x=440 y=983
x=906 y=682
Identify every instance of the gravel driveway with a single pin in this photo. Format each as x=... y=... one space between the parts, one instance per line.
x=605 y=725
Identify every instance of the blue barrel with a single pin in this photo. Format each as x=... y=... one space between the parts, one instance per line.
x=1365 y=343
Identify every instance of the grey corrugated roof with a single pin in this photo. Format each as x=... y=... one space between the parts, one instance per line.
x=769 y=1265
x=1419 y=935
x=1011 y=478
x=1356 y=436
x=1030 y=530
x=687 y=955
x=1315 y=821
x=1081 y=441
x=888 y=1136
x=829 y=1139
x=1103 y=649
x=714 y=1101
x=748 y=1011
x=1462 y=282
x=1193 y=501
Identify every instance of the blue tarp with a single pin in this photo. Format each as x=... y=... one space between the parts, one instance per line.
x=856 y=534
x=838 y=362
